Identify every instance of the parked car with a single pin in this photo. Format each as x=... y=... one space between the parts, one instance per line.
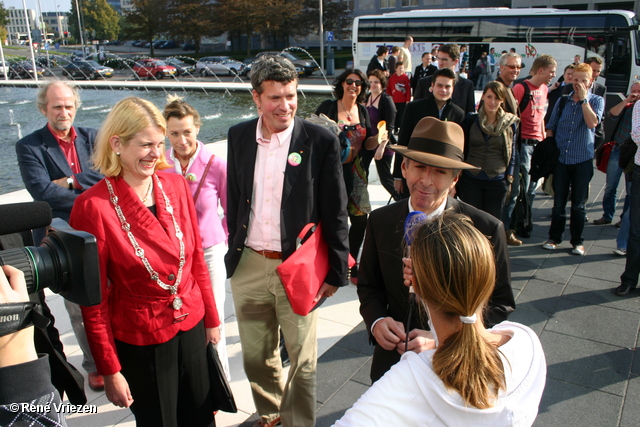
x=158 y=43
x=308 y=66
x=153 y=68
x=210 y=65
x=23 y=70
x=188 y=46
x=170 y=44
x=86 y=70
x=182 y=67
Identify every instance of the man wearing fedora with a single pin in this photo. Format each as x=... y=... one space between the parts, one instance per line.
x=432 y=163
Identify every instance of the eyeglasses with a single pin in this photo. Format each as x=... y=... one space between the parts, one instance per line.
x=515 y=67
x=351 y=81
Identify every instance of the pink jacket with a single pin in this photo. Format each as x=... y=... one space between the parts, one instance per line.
x=213 y=229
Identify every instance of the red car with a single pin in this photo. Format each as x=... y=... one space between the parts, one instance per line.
x=154 y=69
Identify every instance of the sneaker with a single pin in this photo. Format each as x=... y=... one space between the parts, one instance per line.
x=578 y=250
x=550 y=245
x=620 y=252
x=512 y=239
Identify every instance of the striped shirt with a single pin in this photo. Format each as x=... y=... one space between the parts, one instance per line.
x=574 y=139
x=635 y=131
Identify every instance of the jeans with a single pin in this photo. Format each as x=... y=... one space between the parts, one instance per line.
x=614 y=172
x=632 y=267
x=575 y=178
x=483 y=194
x=625 y=222
x=483 y=79
x=526 y=152
x=512 y=197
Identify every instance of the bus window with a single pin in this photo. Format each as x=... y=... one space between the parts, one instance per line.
x=425 y=28
x=460 y=29
x=498 y=29
x=541 y=29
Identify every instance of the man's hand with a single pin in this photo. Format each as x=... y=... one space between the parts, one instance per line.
x=407 y=272
x=117 y=390
x=62 y=182
x=389 y=333
x=633 y=97
x=17 y=347
x=419 y=340
x=397 y=185
x=580 y=90
x=326 y=290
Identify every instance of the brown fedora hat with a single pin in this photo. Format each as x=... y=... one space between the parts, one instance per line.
x=436 y=143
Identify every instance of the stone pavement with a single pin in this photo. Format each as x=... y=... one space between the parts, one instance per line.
x=589 y=335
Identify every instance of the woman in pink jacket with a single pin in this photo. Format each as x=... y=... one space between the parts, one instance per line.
x=206 y=175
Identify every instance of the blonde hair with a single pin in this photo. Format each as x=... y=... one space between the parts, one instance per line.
x=454 y=271
x=177 y=107
x=128 y=117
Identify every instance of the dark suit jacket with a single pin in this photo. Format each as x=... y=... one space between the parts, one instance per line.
x=418 y=110
x=374 y=64
x=313 y=191
x=382 y=292
x=463 y=93
x=421 y=72
x=41 y=161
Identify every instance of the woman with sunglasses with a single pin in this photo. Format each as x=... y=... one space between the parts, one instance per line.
x=490 y=136
x=471 y=376
x=356 y=136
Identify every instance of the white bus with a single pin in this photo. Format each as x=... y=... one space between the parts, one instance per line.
x=609 y=34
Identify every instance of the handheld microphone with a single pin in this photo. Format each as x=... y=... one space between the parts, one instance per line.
x=413 y=219
x=18 y=217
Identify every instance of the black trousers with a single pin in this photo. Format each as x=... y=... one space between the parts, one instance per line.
x=169 y=382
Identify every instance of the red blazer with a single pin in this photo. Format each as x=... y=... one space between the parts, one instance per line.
x=135 y=309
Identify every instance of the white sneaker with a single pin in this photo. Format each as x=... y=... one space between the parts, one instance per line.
x=620 y=252
x=550 y=245
x=578 y=250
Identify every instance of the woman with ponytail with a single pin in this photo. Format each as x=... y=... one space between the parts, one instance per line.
x=472 y=375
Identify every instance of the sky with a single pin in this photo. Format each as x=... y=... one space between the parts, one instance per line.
x=47 y=5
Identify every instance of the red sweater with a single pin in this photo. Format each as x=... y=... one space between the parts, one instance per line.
x=399 y=87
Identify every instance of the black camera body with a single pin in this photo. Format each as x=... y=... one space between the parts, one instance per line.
x=65 y=262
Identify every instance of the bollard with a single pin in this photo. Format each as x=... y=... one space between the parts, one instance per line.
x=330 y=63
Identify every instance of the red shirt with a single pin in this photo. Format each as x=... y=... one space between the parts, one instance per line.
x=69 y=150
x=399 y=87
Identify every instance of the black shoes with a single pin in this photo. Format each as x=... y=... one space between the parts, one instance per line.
x=622 y=290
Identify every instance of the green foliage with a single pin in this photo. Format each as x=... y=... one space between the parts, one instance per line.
x=4 y=21
x=99 y=20
x=191 y=20
x=148 y=18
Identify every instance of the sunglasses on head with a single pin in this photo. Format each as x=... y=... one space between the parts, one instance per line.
x=351 y=81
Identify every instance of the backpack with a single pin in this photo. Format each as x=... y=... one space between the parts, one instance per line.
x=526 y=98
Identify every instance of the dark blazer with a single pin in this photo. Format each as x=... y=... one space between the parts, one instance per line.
x=418 y=110
x=313 y=191
x=382 y=292
x=511 y=105
x=463 y=93
x=421 y=72
x=374 y=64
x=41 y=161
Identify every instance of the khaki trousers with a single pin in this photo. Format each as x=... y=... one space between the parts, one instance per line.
x=262 y=308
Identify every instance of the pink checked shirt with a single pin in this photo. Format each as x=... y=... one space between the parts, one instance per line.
x=268 y=182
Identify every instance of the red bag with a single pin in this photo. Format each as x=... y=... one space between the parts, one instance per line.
x=304 y=272
x=602 y=156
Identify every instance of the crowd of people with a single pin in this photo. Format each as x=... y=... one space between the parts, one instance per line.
x=435 y=294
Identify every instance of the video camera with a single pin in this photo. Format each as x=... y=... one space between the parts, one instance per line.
x=65 y=262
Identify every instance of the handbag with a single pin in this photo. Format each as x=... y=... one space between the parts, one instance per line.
x=602 y=156
x=220 y=390
x=304 y=272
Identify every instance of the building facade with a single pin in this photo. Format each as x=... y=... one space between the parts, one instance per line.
x=20 y=25
x=56 y=22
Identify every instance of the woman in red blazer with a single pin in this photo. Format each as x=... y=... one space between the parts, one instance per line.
x=148 y=334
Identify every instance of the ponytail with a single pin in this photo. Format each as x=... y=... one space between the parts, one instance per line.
x=454 y=270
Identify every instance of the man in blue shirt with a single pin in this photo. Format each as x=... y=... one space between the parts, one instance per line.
x=574 y=130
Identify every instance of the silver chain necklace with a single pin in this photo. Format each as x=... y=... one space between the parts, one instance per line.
x=177 y=301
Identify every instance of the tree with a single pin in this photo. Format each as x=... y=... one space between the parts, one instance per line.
x=191 y=20
x=336 y=17
x=99 y=20
x=4 y=21
x=147 y=18
x=243 y=17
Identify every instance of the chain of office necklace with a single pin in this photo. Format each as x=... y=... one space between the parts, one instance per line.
x=177 y=301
